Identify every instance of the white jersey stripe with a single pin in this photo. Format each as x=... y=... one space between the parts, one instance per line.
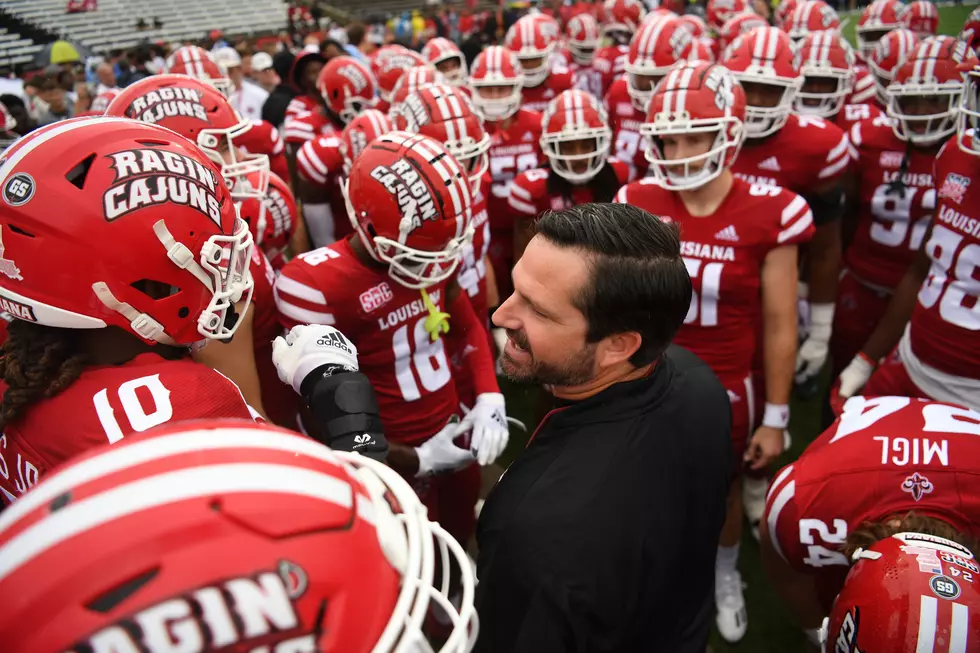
x=303 y=315
x=792 y=209
x=772 y=520
x=299 y=290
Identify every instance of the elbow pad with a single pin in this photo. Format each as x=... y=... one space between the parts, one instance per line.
x=827 y=206
x=346 y=410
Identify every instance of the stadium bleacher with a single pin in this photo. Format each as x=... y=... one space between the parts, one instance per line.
x=113 y=25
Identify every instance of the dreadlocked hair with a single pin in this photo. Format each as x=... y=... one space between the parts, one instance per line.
x=37 y=361
x=911 y=522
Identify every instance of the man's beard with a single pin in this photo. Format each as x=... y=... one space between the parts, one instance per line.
x=574 y=370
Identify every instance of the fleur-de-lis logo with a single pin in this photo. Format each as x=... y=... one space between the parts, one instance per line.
x=917 y=485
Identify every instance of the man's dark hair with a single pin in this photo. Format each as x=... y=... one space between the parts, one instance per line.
x=12 y=101
x=355 y=34
x=639 y=281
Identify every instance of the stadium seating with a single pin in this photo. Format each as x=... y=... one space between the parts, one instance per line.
x=14 y=49
x=113 y=25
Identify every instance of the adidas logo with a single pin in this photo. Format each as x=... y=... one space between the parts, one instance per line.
x=728 y=233
x=770 y=164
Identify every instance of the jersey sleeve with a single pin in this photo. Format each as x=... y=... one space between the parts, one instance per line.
x=278 y=145
x=622 y=170
x=781 y=520
x=864 y=87
x=795 y=221
x=838 y=156
x=525 y=192
x=298 y=297
x=317 y=158
x=299 y=128
x=621 y=195
x=199 y=392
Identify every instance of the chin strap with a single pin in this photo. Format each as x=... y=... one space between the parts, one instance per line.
x=181 y=255
x=437 y=322
x=141 y=323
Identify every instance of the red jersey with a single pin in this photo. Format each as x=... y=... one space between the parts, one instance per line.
x=853 y=113
x=585 y=78
x=807 y=154
x=609 y=63
x=944 y=323
x=529 y=195
x=279 y=400
x=320 y=163
x=894 y=209
x=409 y=371
x=864 y=87
x=105 y=404
x=301 y=104
x=625 y=121
x=472 y=274
x=536 y=98
x=302 y=127
x=724 y=254
x=885 y=456
x=263 y=138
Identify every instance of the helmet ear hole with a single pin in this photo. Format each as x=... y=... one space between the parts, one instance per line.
x=154 y=289
x=77 y=175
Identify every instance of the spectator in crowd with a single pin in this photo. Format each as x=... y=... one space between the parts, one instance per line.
x=138 y=70
x=274 y=109
x=83 y=97
x=246 y=98
x=106 y=74
x=358 y=44
x=157 y=23
x=59 y=105
x=330 y=49
x=18 y=109
x=141 y=25
x=263 y=73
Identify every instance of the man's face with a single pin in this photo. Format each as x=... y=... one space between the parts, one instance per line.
x=765 y=96
x=55 y=97
x=310 y=74
x=267 y=77
x=106 y=75
x=236 y=75
x=332 y=51
x=545 y=330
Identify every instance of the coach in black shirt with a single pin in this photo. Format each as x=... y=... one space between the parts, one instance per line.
x=602 y=535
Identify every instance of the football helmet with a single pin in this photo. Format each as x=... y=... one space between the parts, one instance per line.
x=390 y=70
x=494 y=70
x=414 y=79
x=622 y=19
x=921 y=17
x=737 y=25
x=701 y=50
x=764 y=57
x=971 y=30
x=445 y=56
x=347 y=86
x=583 y=38
x=104 y=99
x=410 y=203
x=533 y=39
x=154 y=245
x=925 y=95
x=7 y=124
x=654 y=49
x=695 y=97
x=662 y=13
x=196 y=62
x=889 y=53
x=824 y=58
x=783 y=11
x=446 y=114
x=695 y=24
x=199 y=113
x=908 y=592
x=719 y=11
x=968 y=117
x=575 y=117
x=271 y=219
x=360 y=132
x=811 y=16
x=230 y=535
x=877 y=19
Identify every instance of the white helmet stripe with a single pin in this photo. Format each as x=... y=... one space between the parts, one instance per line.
x=959 y=631
x=928 y=608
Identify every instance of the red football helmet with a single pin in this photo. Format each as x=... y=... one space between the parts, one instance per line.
x=718 y=12
x=783 y=11
x=230 y=535
x=196 y=62
x=347 y=86
x=971 y=29
x=921 y=17
x=654 y=49
x=201 y=114
x=695 y=24
x=662 y=13
x=877 y=19
x=361 y=132
x=391 y=68
x=445 y=114
x=622 y=19
x=701 y=50
x=410 y=203
x=583 y=38
x=764 y=57
x=969 y=114
x=825 y=61
x=571 y=120
x=414 y=79
x=737 y=25
x=7 y=124
x=889 y=53
x=696 y=97
x=104 y=99
x=494 y=71
x=924 y=97
x=153 y=244
x=533 y=39
x=811 y=16
x=271 y=219
x=909 y=592
x=445 y=56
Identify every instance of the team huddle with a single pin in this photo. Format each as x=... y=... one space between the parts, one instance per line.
x=822 y=195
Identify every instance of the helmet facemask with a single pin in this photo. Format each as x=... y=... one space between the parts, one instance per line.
x=689 y=173
x=497 y=108
x=924 y=114
x=762 y=121
x=819 y=102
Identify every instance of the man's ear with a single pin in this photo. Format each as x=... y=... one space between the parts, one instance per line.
x=618 y=348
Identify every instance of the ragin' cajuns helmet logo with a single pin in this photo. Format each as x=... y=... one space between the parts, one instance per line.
x=168 y=102
x=403 y=181
x=149 y=177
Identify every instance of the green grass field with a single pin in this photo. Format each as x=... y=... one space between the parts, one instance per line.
x=770 y=627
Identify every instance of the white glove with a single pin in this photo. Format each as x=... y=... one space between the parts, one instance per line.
x=309 y=346
x=813 y=352
x=440 y=454
x=489 y=421
x=802 y=309
x=855 y=375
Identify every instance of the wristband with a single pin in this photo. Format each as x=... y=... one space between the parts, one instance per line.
x=776 y=416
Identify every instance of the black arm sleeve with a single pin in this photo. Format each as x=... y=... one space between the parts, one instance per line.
x=346 y=411
x=827 y=206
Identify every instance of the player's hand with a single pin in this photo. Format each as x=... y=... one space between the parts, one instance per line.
x=813 y=352
x=489 y=422
x=855 y=375
x=309 y=346
x=440 y=454
x=764 y=447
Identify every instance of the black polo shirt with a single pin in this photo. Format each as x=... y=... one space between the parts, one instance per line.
x=601 y=536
